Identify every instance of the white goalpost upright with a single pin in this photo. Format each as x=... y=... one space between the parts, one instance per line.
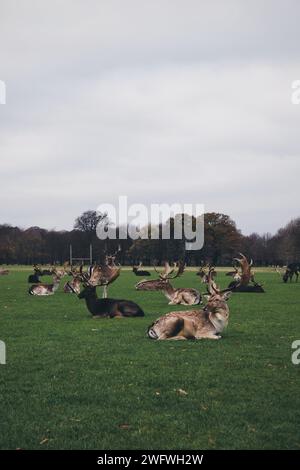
x=81 y=260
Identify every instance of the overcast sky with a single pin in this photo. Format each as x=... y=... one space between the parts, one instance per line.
x=163 y=101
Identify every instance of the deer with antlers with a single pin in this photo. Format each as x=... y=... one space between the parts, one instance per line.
x=182 y=296
x=234 y=274
x=102 y=275
x=73 y=286
x=195 y=324
x=140 y=272
x=244 y=277
x=105 y=307
x=203 y=272
x=47 y=289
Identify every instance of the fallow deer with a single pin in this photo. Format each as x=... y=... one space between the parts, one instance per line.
x=291 y=270
x=105 y=307
x=102 y=275
x=246 y=276
x=73 y=286
x=195 y=324
x=34 y=278
x=140 y=272
x=108 y=308
x=46 y=289
x=182 y=296
x=203 y=273
x=234 y=274
x=4 y=272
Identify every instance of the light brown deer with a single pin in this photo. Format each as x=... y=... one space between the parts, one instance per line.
x=203 y=272
x=47 y=289
x=182 y=296
x=73 y=286
x=102 y=275
x=4 y=272
x=244 y=277
x=195 y=324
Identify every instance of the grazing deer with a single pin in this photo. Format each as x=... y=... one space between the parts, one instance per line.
x=195 y=324
x=245 y=277
x=46 y=289
x=182 y=296
x=139 y=272
x=291 y=270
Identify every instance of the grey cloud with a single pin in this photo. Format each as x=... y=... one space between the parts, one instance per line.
x=159 y=100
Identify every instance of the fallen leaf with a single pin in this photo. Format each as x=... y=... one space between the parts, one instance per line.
x=181 y=392
x=44 y=441
x=124 y=426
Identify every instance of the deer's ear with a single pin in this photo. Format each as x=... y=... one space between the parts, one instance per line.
x=207 y=296
x=227 y=295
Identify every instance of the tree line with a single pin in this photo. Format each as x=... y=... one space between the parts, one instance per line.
x=223 y=241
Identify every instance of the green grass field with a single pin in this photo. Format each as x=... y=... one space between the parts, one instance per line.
x=72 y=382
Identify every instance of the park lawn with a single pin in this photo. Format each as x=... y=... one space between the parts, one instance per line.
x=72 y=382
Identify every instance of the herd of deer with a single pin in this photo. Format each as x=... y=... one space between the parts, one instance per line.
x=206 y=322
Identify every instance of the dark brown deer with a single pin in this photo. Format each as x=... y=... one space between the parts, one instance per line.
x=290 y=271
x=183 y=296
x=235 y=274
x=195 y=324
x=108 y=308
x=140 y=272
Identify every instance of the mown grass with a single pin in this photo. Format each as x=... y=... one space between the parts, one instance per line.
x=72 y=382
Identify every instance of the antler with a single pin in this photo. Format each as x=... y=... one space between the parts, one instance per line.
x=168 y=270
x=212 y=287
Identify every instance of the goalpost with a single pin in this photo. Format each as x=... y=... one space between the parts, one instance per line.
x=81 y=260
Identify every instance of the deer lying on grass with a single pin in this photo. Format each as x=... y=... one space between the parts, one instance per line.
x=203 y=273
x=195 y=324
x=244 y=277
x=42 y=272
x=183 y=296
x=46 y=289
x=34 y=278
x=108 y=308
x=4 y=272
x=139 y=272
x=105 y=307
x=234 y=274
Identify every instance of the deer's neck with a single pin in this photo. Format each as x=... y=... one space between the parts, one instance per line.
x=91 y=303
x=56 y=283
x=168 y=290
